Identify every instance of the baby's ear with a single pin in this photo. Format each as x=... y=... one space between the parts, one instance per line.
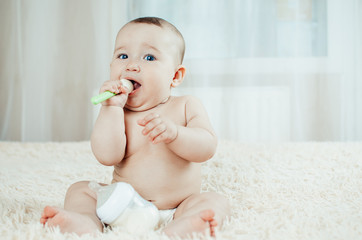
x=179 y=76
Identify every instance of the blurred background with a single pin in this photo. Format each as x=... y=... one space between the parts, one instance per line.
x=266 y=70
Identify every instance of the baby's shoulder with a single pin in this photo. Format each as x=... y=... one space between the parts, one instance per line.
x=189 y=103
x=185 y=99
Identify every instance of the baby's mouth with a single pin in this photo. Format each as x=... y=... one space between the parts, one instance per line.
x=136 y=85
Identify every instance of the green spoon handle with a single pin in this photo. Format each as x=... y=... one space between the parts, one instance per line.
x=102 y=97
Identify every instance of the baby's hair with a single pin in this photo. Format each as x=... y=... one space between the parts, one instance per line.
x=160 y=22
x=150 y=20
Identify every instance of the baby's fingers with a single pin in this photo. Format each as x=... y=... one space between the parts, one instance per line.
x=152 y=125
x=156 y=133
x=112 y=86
x=148 y=118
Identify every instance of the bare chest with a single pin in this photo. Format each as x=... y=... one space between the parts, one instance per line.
x=140 y=144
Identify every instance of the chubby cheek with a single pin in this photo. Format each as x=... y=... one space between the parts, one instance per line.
x=115 y=71
x=113 y=76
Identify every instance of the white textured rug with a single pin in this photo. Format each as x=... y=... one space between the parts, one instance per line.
x=278 y=191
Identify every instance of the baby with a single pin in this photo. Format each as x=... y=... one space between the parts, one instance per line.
x=156 y=142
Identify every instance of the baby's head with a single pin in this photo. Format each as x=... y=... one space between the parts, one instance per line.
x=148 y=51
x=179 y=40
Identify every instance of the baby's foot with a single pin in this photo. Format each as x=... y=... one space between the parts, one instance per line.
x=68 y=221
x=195 y=223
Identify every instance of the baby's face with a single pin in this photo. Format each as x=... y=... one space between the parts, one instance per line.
x=147 y=55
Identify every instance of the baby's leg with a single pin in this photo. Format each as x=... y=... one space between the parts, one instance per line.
x=198 y=213
x=79 y=213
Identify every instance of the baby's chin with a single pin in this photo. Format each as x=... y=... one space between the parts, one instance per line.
x=145 y=107
x=136 y=109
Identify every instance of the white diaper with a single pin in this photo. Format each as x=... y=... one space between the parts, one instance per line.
x=166 y=216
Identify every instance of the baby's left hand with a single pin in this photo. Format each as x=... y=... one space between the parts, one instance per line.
x=158 y=129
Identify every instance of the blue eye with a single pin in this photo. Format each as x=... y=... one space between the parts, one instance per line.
x=149 y=58
x=122 y=56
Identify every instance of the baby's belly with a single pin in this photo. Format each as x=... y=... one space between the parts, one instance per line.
x=165 y=182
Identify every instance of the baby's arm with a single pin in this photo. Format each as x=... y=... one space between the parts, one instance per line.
x=108 y=138
x=196 y=142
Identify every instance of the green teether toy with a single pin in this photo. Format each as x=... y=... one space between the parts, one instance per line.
x=107 y=94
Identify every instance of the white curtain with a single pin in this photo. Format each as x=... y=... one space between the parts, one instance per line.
x=266 y=70
x=54 y=54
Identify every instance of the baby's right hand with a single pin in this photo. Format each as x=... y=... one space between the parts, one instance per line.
x=115 y=86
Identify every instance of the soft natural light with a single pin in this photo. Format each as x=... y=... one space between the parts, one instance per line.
x=267 y=70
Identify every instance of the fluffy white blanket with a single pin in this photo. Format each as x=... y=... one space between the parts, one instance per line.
x=277 y=191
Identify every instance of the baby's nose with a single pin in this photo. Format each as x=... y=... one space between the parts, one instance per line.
x=133 y=67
